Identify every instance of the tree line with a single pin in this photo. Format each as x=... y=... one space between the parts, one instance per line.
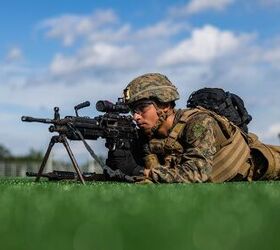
x=32 y=155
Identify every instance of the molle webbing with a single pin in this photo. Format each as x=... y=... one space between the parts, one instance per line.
x=231 y=159
x=179 y=127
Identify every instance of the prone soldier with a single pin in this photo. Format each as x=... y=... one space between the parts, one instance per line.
x=188 y=145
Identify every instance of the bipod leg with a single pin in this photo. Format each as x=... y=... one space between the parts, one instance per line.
x=72 y=157
x=46 y=157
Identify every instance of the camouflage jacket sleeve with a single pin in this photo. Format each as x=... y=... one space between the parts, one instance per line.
x=195 y=163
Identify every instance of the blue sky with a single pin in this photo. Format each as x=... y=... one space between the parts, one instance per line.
x=59 y=53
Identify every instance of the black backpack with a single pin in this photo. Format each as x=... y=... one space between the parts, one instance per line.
x=223 y=103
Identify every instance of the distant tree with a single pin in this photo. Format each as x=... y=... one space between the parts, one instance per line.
x=35 y=155
x=4 y=152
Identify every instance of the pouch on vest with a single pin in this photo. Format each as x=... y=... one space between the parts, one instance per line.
x=231 y=160
x=266 y=159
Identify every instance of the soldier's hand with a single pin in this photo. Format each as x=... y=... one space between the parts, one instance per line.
x=146 y=172
x=121 y=159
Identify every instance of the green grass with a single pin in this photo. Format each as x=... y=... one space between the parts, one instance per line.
x=127 y=216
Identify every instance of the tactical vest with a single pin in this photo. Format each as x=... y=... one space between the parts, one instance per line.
x=232 y=157
x=238 y=155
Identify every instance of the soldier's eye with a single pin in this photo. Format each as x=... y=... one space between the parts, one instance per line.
x=140 y=109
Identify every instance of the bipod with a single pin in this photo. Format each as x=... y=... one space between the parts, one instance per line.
x=60 y=139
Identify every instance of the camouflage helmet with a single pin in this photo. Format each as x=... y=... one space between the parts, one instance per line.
x=150 y=86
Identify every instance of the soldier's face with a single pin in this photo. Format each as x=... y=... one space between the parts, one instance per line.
x=145 y=116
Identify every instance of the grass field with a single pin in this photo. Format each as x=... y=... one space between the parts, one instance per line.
x=125 y=216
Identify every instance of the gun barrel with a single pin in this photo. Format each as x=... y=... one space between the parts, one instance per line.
x=32 y=119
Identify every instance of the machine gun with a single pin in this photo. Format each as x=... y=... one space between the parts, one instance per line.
x=118 y=129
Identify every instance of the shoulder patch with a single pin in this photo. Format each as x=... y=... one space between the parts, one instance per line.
x=198 y=130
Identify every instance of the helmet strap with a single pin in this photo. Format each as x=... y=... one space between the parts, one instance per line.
x=162 y=115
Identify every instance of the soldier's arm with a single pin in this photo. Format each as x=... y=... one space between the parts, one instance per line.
x=195 y=164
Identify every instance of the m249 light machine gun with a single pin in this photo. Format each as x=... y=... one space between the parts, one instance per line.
x=118 y=129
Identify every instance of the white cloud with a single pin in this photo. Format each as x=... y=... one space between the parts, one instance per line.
x=94 y=57
x=196 y=6
x=103 y=26
x=70 y=27
x=161 y=30
x=55 y=93
x=14 y=54
x=110 y=34
x=115 y=48
x=272 y=132
x=200 y=5
x=204 y=45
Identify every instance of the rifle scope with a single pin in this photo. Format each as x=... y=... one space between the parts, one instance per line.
x=108 y=107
